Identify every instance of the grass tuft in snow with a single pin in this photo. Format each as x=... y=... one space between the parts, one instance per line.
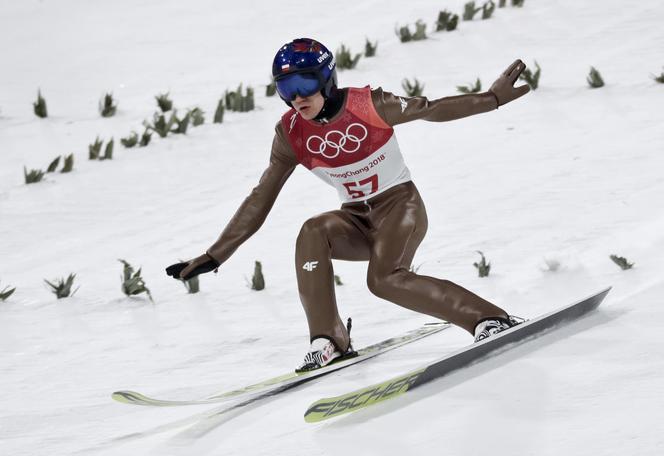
x=62 y=288
x=132 y=282
x=164 y=102
x=659 y=78
x=94 y=149
x=35 y=175
x=181 y=125
x=487 y=9
x=145 y=138
x=337 y=280
x=68 y=165
x=595 y=78
x=271 y=89
x=192 y=285
x=40 y=106
x=622 y=262
x=532 y=79
x=6 y=293
x=197 y=117
x=405 y=34
x=483 y=268
x=420 y=31
x=107 y=106
x=257 y=280
x=160 y=125
x=518 y=3
x=237 y=102
x=53 y=165
x=501 y=3
x=345 y=59
x=412 y=89
x=469 y=11
x=370 y=48
x=130 y=141
x=470 y=88
x=219 y=112
x=108 y=151
x=447 y=21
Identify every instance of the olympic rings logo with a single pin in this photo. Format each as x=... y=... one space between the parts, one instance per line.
x=348 y=142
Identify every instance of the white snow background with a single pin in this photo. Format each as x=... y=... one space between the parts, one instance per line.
x=565 y=174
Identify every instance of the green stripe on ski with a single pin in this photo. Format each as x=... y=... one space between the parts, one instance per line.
x=334 y=406
x=129 y=397
x=255 y=387
x=136 y=398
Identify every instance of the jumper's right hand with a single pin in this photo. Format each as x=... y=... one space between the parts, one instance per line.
x=188 y=269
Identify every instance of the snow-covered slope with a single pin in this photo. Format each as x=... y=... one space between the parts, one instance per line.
x=564 y=174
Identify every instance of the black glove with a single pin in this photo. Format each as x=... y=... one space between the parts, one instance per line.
x=188 y=269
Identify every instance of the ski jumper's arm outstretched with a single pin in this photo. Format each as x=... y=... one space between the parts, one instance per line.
x=251 y=214
x=396 y=110
x=253 y=211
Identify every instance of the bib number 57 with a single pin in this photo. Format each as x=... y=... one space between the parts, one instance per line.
x=355 y=189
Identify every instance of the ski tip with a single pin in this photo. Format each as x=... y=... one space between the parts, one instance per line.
x=595 y=299
x=601 y=294
x=118 y=396
x=127 y=397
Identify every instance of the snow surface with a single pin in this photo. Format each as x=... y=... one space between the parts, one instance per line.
x=567 y=174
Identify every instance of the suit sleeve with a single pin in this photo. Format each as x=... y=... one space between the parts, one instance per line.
x=396 y=110
x=254 y=210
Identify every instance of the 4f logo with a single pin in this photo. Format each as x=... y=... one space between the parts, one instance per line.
x=310 y=265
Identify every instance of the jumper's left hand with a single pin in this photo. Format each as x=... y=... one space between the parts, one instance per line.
x=504 y=89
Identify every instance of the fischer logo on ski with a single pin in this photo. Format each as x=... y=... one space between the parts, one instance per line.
x=364 y=398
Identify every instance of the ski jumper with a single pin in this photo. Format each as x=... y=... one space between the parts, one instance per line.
x=382 y=218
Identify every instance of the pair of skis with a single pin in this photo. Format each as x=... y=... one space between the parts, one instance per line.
x=284 y=382
x=334 y=406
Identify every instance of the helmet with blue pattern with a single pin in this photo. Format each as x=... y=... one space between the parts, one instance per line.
x=304 y=67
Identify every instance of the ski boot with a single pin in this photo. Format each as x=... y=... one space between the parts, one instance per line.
x=324 y=351
x=494 y=325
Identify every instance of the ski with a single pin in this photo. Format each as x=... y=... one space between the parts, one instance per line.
x=326 y=408
x=289 y=380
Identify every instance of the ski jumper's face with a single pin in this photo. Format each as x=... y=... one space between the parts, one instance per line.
x=310 y=106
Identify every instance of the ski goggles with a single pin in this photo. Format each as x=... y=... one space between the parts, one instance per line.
x=303 y=84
